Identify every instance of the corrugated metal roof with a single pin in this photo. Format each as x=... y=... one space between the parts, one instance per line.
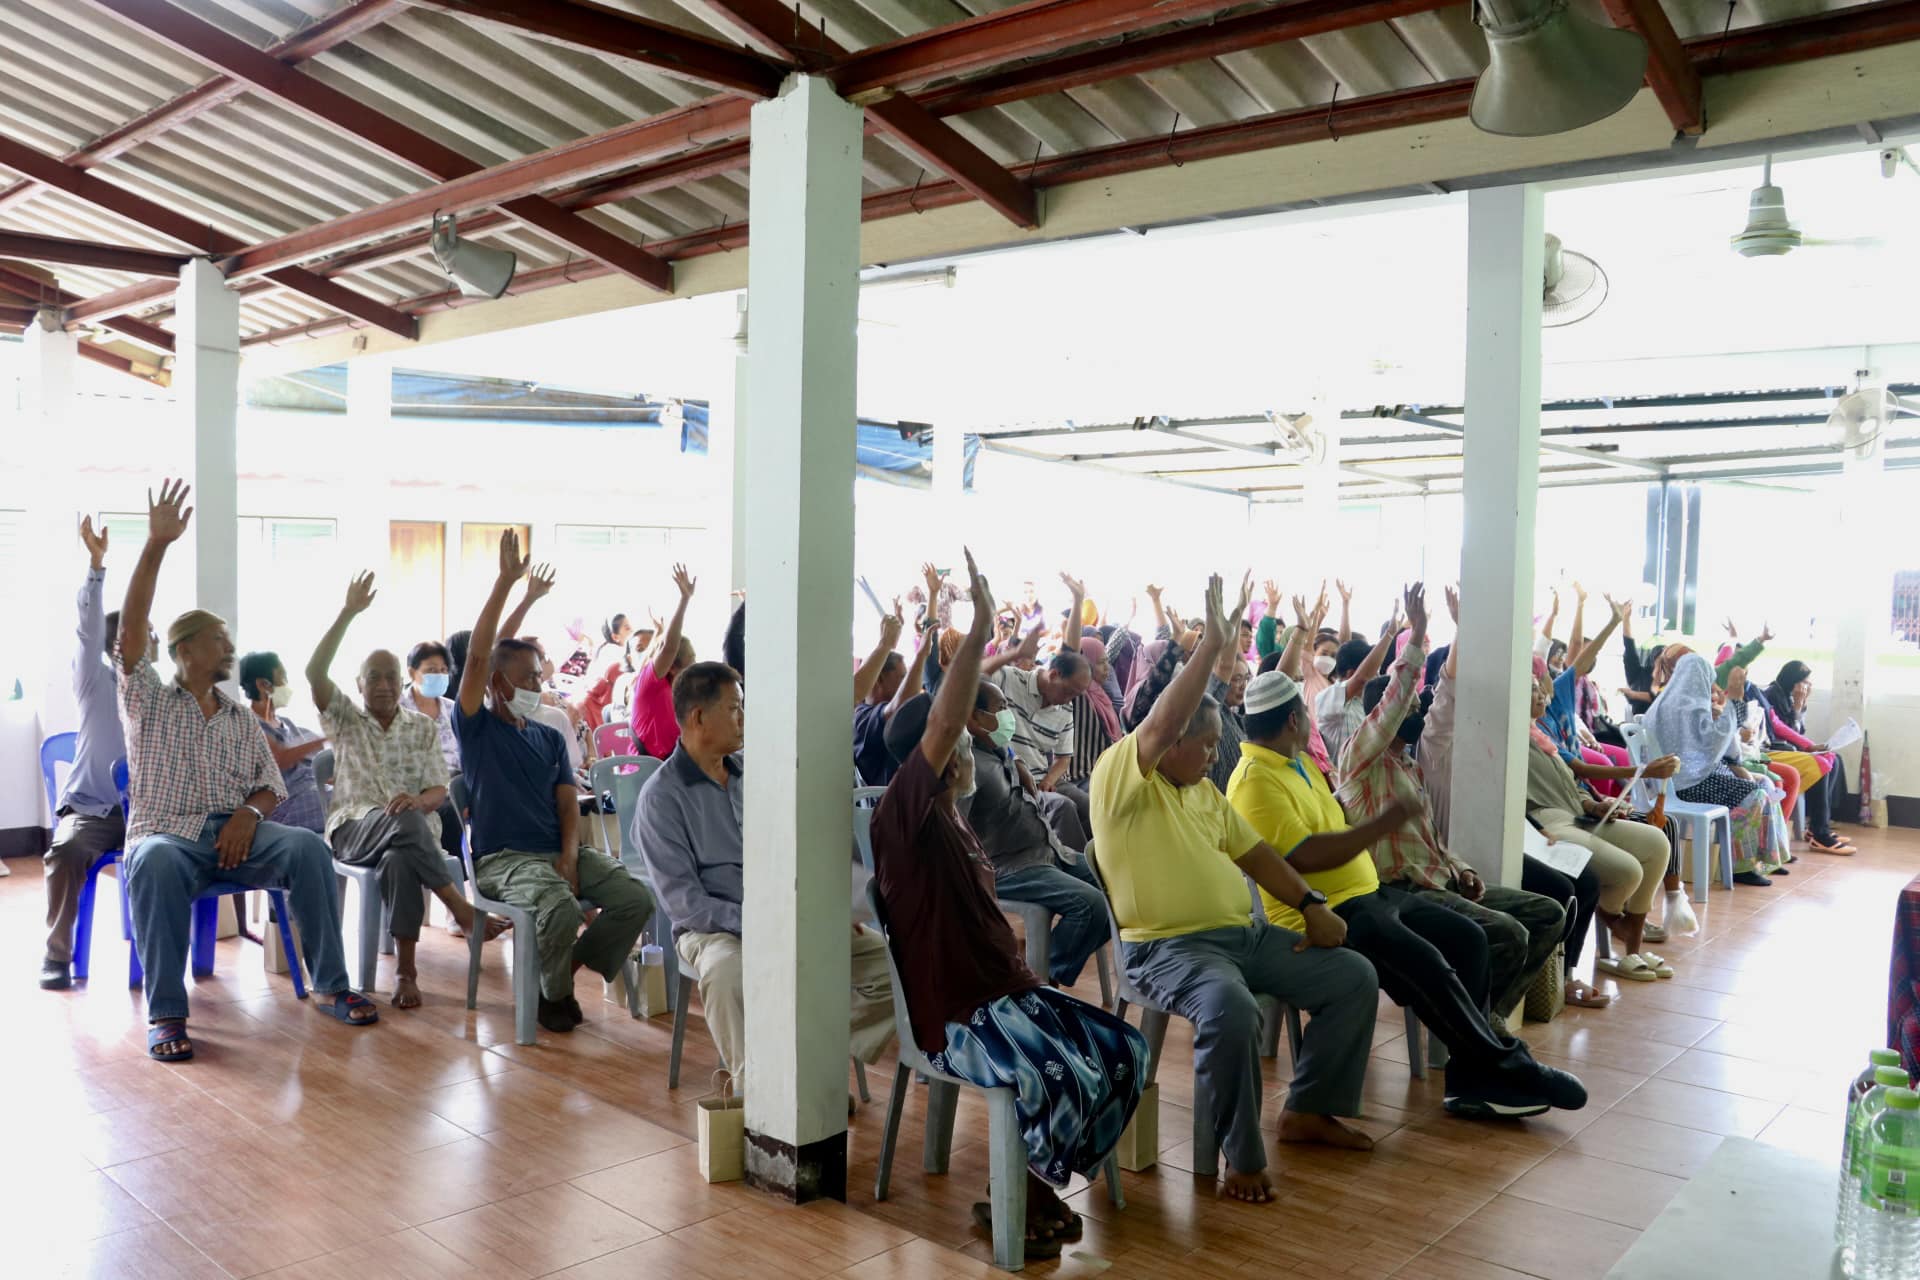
x=255 y=169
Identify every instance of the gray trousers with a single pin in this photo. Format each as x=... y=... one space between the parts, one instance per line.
x=529 y=880
x=410 y=860
x=1522 y=930
x=1210 y=979
x=77 y=841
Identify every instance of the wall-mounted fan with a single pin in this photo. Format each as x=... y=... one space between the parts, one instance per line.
x=1862 y=416
x=1573 y=288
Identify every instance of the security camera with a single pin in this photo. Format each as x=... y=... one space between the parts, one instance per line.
x=1889 y=162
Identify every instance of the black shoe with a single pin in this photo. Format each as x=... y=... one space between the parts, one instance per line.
x=54 y=976
x=572 y=1006
x=1779 y=871
x=1561 y=1088
x=1483 y=1107
x=555 y=1016
x=1753 y=879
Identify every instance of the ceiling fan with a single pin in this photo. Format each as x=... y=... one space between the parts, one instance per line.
x=1768 y=233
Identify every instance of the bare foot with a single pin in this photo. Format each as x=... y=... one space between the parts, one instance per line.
x=1586 y=997
x=406 y=992
x=1299 y=1126
x=463 y=922
x=1252 y=1188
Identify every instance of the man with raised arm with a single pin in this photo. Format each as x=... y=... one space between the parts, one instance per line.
x=202 y=785
x=1176 y=858
x=974 y=1005
x=389 y=781
x=88 y=820
x=524 y=828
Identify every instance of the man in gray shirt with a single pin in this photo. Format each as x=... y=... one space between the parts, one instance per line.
x=687 y=825
x=1029 y=862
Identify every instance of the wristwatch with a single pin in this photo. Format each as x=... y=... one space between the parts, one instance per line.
x=1312 y=898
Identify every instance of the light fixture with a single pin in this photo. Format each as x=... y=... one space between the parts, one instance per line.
x=1549 y=70
x=480 y=272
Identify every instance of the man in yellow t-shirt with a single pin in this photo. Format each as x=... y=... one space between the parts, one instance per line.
x=1175 y=858
x=1427 y=957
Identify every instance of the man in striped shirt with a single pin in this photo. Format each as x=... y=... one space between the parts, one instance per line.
x=1042 y=705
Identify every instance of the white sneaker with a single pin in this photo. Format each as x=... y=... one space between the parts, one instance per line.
x=1680 y=917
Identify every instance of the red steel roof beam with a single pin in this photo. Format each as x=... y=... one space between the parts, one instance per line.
x=36 y=292
x=1021 y=31
x=1821 y=35
x=330 y=106
x=316 y=38
x=1670 y=73
x=715 y=120
x=624 y=35
x=1276 y=25
x=157 y=217
x=937 y=145
x=85 y=253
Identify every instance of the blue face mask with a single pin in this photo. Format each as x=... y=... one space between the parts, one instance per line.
x=434 y=684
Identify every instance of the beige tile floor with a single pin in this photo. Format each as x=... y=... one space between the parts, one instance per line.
x=434 y=1146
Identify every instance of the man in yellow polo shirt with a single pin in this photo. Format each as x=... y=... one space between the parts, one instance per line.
x=1175 y=858
x=1426 y=957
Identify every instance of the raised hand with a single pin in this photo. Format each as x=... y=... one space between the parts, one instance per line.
x=513 y=562
x=360 y=593
x=1075 y=585
x=1029 y=649
x=96 y=543
x=1300 y=613
x=1272 y=589
x=1416 y=602
x=1346 y=592
x=1240 y=608
x=540 y=581
x=983 y=607
x=1453 y=604
x=934 y=578
x=1153 y=592
x=1579 y=591
x=1215 y=616
x=684 y=582
x=890 y=628
x=1766 y=632
x=166 y=520
x=1733 y=632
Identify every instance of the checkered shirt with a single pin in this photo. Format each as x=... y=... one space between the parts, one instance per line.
x=183 y=766
x=372 y=765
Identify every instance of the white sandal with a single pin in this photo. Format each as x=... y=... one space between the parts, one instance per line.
x=1657 y=964
x=1630 y=967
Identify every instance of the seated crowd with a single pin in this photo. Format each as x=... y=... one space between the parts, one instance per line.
x=1261 y=809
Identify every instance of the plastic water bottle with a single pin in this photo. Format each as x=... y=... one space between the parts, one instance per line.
x=1853 y=1172
x=1847 y=1200
x=1887 y=1238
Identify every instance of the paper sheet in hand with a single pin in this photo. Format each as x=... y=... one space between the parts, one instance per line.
x=872 y=599
x=1620 y=801
x=1845 y=736
x=1563 y=856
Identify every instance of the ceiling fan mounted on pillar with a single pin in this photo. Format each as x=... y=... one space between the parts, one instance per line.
x=1549 y=70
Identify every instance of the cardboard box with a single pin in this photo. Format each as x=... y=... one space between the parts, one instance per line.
x=1139 y=1147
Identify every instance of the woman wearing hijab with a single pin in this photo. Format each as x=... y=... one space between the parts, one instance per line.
x=1096 y=715
x=1786 y=700
x=1684 y=721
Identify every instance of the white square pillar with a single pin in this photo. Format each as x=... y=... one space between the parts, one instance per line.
x=1505 y=246
x=726 y=439
x=803 y=287
x=51 y=488
x=206 y=389
x=1864 y=587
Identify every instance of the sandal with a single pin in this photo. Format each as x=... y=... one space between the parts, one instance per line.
x=1583 y=996
x=1038 y=1247
x=1839 y=845
x=1652 y=932
x=1630 y=967
x=1659 y=966
x=167 y=1031
x=346 y=1002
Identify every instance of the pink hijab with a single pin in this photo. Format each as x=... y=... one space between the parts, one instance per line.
x=1094 y=650
x=1534 y=731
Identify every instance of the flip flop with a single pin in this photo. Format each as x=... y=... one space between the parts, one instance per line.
x=1038 y=1247
x=1590 y=998
x=1630 y=967
x=345 y=1002
x=169 y=1031
x=1661 y=969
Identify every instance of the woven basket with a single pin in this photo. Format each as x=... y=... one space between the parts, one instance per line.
x=1547 y=995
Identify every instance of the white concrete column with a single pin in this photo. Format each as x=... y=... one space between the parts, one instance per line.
x=726 y=435
x=1864 y=589
x=49 y=490
x=803 y=283
x=206 y=389
x=1505 y=245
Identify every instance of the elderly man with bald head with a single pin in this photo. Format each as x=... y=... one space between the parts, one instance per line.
x=389 y=781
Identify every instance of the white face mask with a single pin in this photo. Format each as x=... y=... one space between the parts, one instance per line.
x=282 y=696
x=1323 y=663
x=525 y=702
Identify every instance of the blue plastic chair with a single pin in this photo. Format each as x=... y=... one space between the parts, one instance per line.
x=59 y=750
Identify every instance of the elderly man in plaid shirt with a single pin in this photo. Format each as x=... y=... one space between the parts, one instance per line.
x=1522 y=928
x=202 y=785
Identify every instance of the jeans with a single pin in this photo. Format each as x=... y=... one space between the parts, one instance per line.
x=1067 y=890
x=1209 y=979
x=165 y=874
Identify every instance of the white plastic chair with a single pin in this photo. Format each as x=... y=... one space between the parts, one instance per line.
x=1037 y=922
x=1006 y=1148
x=1694 y=821
x=525 y=962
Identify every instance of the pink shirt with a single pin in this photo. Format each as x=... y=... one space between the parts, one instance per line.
x=653 y=724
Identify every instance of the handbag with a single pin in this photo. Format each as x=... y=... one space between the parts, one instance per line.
x=1547 y=993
